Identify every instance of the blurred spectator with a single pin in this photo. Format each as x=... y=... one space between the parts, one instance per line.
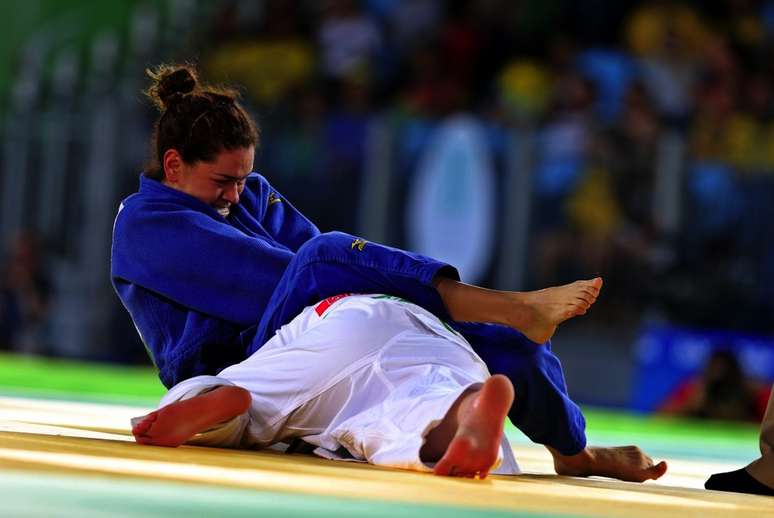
x=563 y=144
x=743 y=23
x=642 y=250
x=299 y=142
x=564 y=139
x=234 y=20
x=292 y=149
x=429 y=91
x=721 y=391
x=612 y=71
x=734 y=124
x=609 y=227
x=410 y=22
x=658 y=27
x=461 y=42
x=25 y=292
x=269 y=60
x=632 y=149
x=717 y=98
x=524 y=87
x=345 y=137
x=669 y=37
x=349 y=40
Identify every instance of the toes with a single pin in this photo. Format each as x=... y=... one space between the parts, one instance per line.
x=585 y=299
x=462 y=461
x=657 y=471
x=593 y=284
x=444 y=468
x=578 y=308
x=144 y=425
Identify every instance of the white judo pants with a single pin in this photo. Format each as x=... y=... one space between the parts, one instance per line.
x=361 y=377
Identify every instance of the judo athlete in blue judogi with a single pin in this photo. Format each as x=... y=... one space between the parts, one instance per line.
x=211 y=262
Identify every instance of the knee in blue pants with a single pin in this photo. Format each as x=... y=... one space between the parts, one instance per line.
x=542 y=408
x=334 y=263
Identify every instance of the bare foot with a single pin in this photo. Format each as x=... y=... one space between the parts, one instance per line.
x=480 y=416
x=623 y=462
x=174 y=424
x=539 y=312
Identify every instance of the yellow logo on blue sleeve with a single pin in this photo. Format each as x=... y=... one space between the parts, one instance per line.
x=359 y=243
x=273 y=198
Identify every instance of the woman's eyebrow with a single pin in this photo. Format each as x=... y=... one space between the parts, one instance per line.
x=232 y=177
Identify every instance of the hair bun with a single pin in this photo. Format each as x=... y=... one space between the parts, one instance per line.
x=170 y=84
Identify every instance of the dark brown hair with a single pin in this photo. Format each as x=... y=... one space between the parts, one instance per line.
x=199 y=121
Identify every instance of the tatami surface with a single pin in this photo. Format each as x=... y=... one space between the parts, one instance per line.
x=62 y=458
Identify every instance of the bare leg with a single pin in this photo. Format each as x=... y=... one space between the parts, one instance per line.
x=174 y=424
x=538 y=313
x=467 y=441
x=623 y=462
x=534 y=313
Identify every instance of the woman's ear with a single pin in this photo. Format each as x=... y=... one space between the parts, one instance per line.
x=173 y=165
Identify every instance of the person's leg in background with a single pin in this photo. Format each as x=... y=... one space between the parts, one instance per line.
x=758 y=477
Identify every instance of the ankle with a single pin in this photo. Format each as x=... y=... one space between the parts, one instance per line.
x=517 y=309
x=580 y=464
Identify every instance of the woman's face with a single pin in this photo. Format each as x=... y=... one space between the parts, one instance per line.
x=218 y=183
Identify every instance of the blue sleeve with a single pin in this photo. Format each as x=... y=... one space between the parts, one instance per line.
x=335 y=263
x=196 y=261
x=286 y=224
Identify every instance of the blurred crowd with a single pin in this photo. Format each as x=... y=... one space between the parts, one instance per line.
x=600 y=84
x=603 y=87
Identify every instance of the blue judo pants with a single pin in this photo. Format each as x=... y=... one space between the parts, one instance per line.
x=542 y=409
x=326 y=266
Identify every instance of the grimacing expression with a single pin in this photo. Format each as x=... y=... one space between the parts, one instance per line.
x=218 y=183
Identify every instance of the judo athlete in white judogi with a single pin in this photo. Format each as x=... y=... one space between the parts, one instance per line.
x=360 y=377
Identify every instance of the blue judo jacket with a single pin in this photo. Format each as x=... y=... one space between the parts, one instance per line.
x=205 y=291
